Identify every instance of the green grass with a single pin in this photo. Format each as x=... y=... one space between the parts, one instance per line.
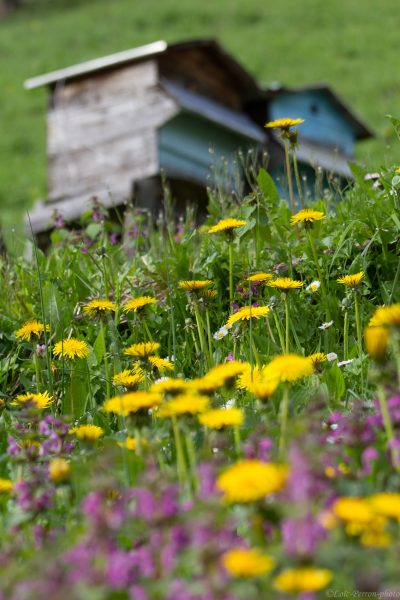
x=352 y=45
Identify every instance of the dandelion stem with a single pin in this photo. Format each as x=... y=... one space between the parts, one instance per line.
x=230 y=249
x=236 y=437
x=106 y=366
x=358 y=324
x=279 y=330
x=297 y=175
x=147 y=330
x=346 y=335
x=37 y=371
x=289 y=175
x=210 y=348
x=180 y=456
x=71 y=392
x=387 y=422
x=200 y=329
x=287 y=322
x=138 y=441
x=284 y=417
x=192 y=459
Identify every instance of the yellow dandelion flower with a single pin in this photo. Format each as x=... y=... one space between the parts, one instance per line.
x=388 y=316
x=288 y=368
x=226 y=225
x=137 y=304
x=353 y=509
x=285 y=284
x=221 y=417
x=6 y=486
x=184 y=404
x=307 y=216
x=246 y=313
x=258 y=382
x=142 y=349
x=204 y=385
x=226 y=372
x=208 y=294
x=263 y=388
x=40 y=400
x=30 y=329
x=375 y=539
x=302 y=579
x=397 y=171
x=351 y=281
x=129 y=378
x=386 y=504
x=376 y=341
x=162 y=364
x=130 y=443
x=132 y=402
x=242 y=562
x=170 y=385
x=71 y=348
x=260 y=277
x=284 y=124
x=87 y=433
x=194 y=285
x=99 y=307
x=59 y=470
x=317 y=358
x=251 y=480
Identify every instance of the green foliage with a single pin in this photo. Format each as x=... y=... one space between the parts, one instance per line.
x=338 y=44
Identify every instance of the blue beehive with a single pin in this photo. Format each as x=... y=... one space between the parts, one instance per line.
x=328 y=135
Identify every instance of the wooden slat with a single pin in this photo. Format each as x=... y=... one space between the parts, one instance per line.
x=103 y=87
x=103 y=166
x=78 y=127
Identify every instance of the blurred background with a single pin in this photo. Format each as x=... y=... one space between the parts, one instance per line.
x=351 y=45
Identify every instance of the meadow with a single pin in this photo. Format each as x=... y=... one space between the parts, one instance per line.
x=205 y=412
x=294 y=43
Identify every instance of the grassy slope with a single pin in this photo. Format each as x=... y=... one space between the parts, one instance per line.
x=353 y=45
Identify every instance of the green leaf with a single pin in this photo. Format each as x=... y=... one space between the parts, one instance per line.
x=93 y=230
x=334 y=379
x=99 y=348
x=267 y=185
x=248 y=227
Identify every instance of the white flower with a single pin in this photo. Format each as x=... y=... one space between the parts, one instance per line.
x=161 y=379
x=221 y=333
x=326 y=325
x=331 y=356
x=314 y=286
x=230 y=403
x=345 y=362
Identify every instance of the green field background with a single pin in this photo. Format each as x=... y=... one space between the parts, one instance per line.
x=352 y=45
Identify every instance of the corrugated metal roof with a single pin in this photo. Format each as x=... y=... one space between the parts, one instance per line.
x=213 y=111
x=98 y=64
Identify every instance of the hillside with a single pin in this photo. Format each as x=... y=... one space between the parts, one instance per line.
x=351 y=45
